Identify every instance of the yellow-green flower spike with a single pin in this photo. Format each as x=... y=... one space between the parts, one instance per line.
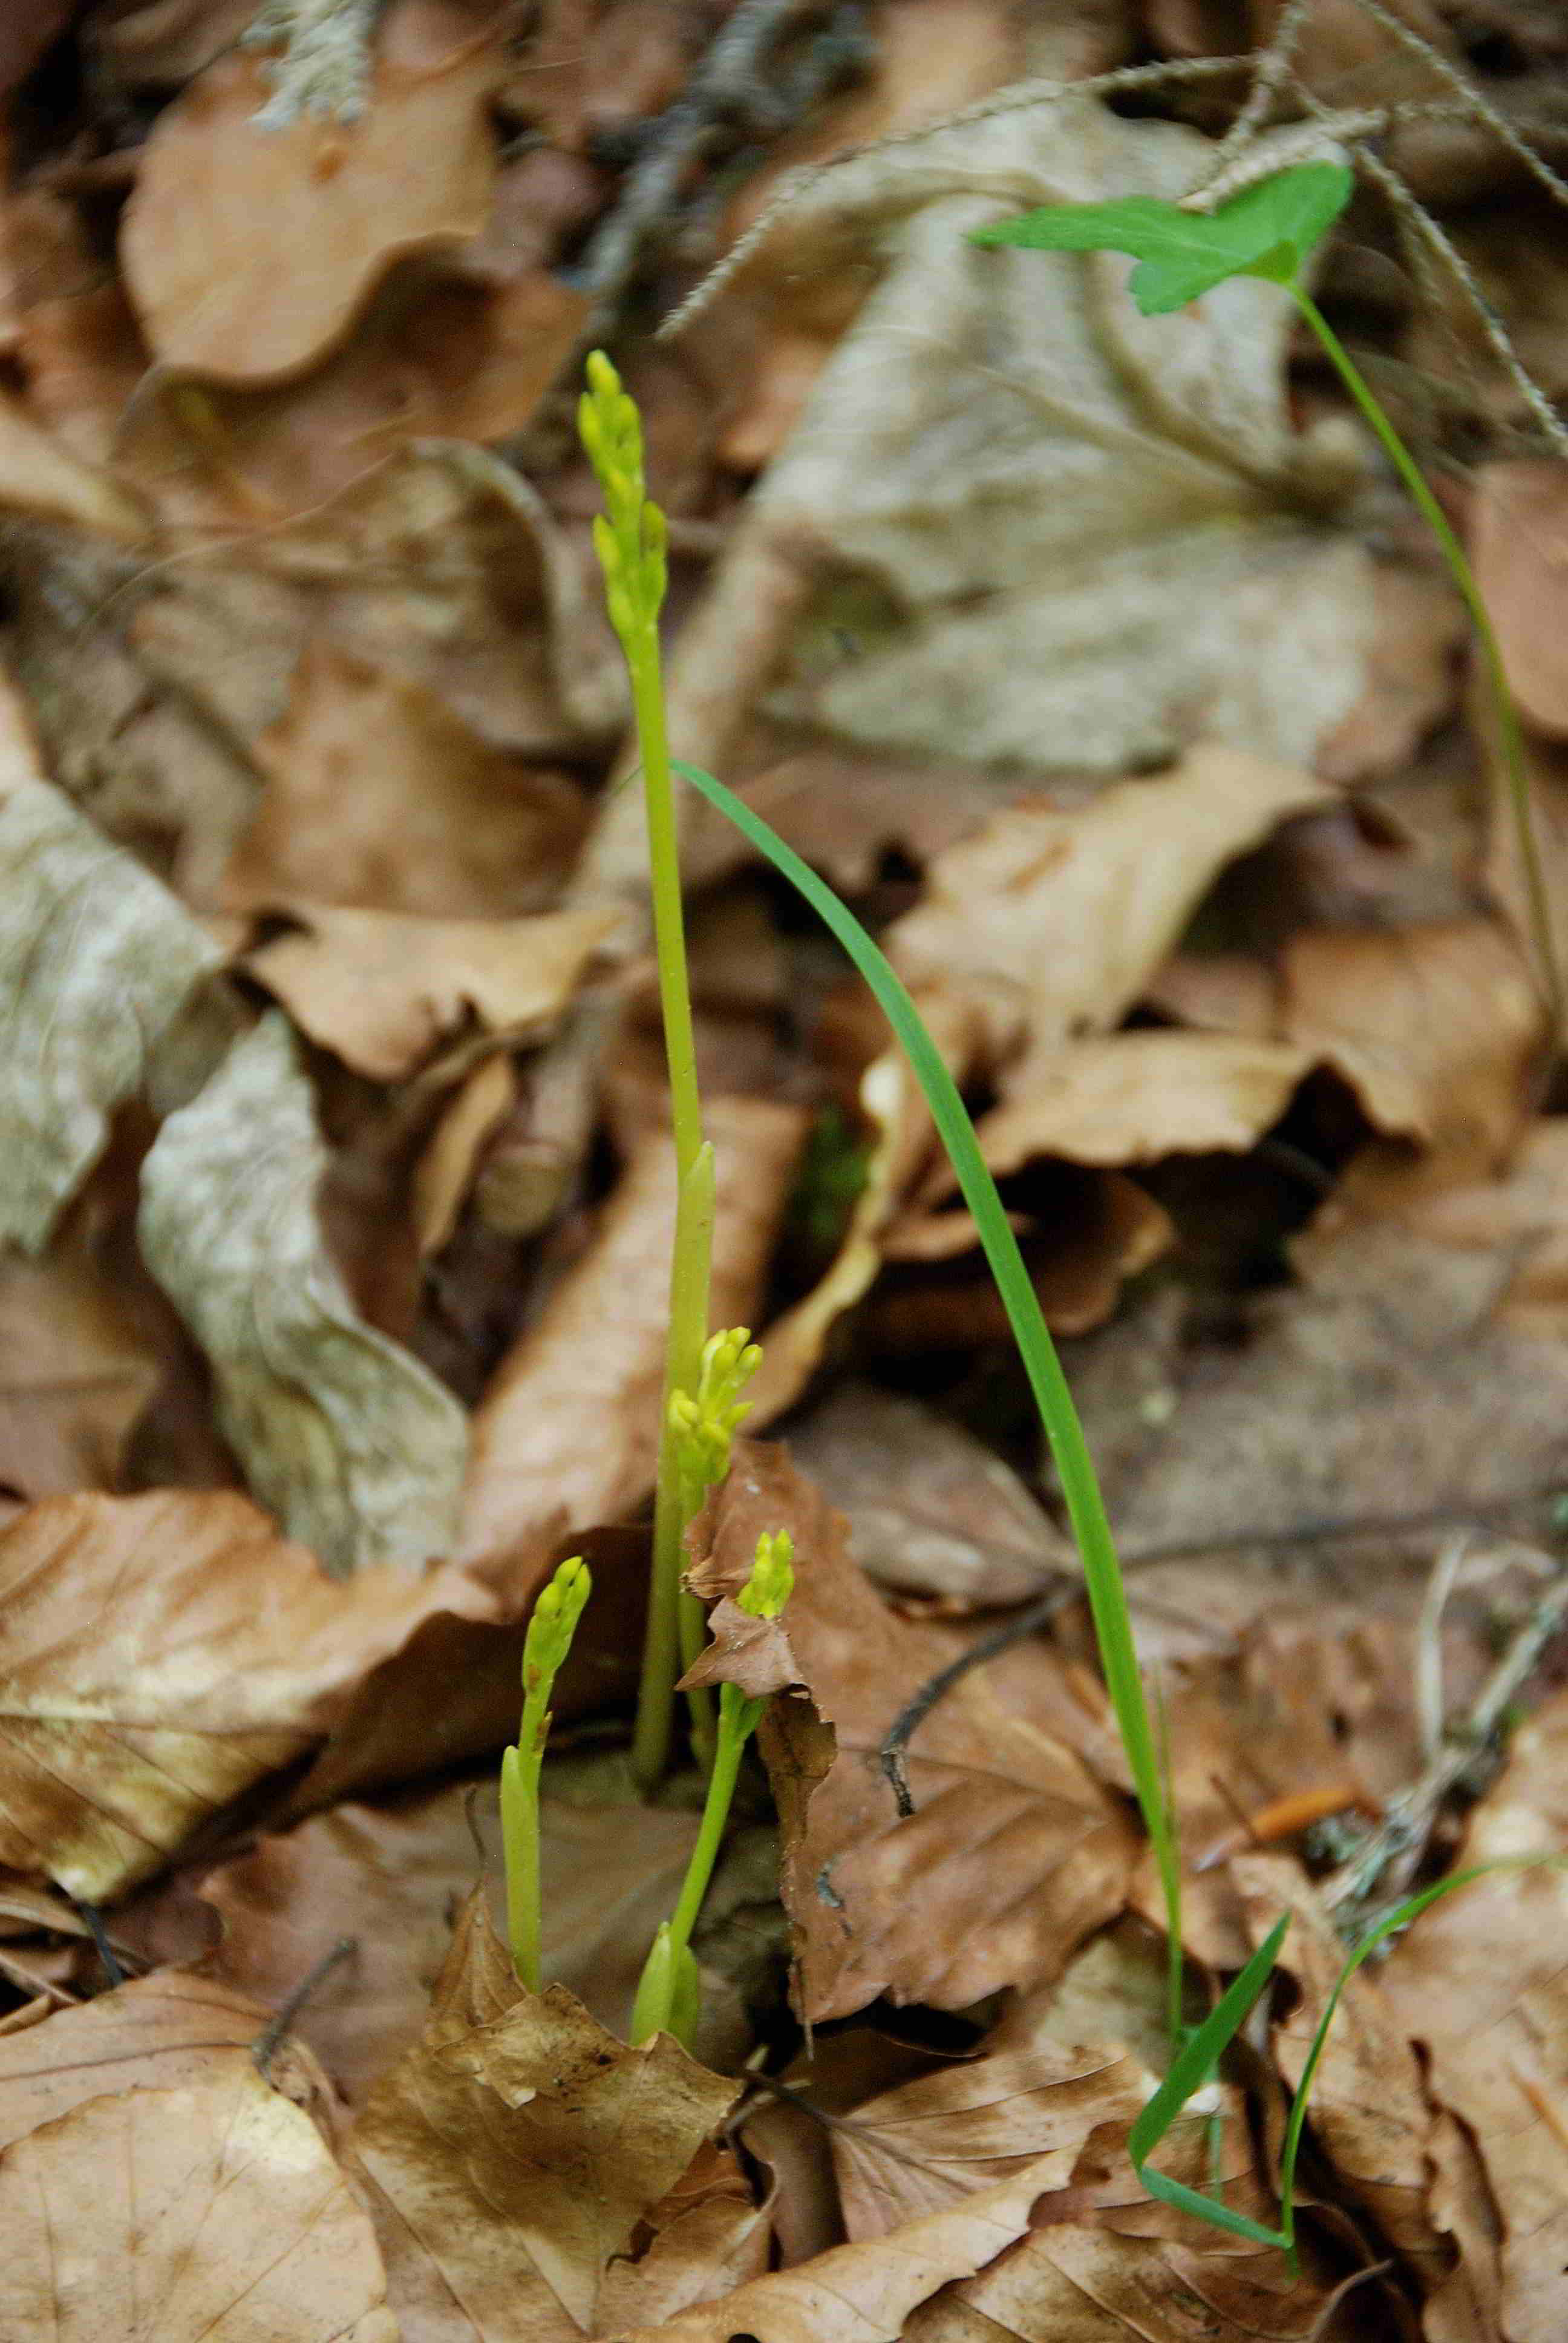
x=556 y=1611
x=629 y=536
x=705 y=1424
x=772 y=1579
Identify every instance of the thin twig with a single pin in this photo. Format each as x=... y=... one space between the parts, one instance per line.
x=263 y=2049
x=1388 y=1860
x=1016 y=98
x=1039 y=1613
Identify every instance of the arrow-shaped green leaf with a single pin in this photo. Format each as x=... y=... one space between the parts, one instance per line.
x=1267 y=230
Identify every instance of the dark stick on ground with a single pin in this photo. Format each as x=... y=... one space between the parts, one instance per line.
x=1039 y=1614
x=263 y=2049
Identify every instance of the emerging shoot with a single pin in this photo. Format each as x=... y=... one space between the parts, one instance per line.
x=545 y=1648
x=668 y=1998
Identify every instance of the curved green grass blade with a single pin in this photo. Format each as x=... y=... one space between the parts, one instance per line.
x=1080 y=1487
x=1189 y=2070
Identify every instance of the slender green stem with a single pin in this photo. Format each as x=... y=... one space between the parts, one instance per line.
x=520 y=1844
x=736 y=1717
x=664 y=876
x=690 y=1261
x=1509 y=739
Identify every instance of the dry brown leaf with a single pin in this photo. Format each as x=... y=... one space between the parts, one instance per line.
x=351 y=1441
x=380 y=797
x=42 y=480
x=479 y=1108
x=163 y=1653
x=384 y=990
x=1412 y=679
x=1052 y=920
x=98 y=965
x=932 y=1510
x=1436 y=1028
x=1370 y=2114
x=1034 y=493
x=867 y=2292
x=1479 y=1983
x=389 y=1876
x=512 y=2154
x=217 y=297
x=78 y=1368
x=158 y=2033
x=1352 y=1395
x=1519 y=524
x=1013 y=1853
x=570 y=1422
x=1132 y=1098
x=894 y=1107
x=209 y=2213
x=1521 y=1218
x=922 y=2147
x=1078 y=2285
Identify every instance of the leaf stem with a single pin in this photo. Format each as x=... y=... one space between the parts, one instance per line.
x=1505 y=716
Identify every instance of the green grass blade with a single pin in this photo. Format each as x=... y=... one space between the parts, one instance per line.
x=1080 y=1487
x=1189 y=2070
x=1411 y=1909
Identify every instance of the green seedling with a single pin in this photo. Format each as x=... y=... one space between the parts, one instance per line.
x=629 y=537
x=545 y=1648
x=702 y=1426
x=1080 y=1489
x=1270 y=230
x=669 y=1996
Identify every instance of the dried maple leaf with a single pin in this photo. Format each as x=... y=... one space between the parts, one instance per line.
x=510 y=2155
x=160 y=1655
x=1013 y=1852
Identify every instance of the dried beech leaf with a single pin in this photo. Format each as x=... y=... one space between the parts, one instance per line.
x=1479 y=1983
x=1370 y=2114
x=1132 y=1098
x=512 y=2154
x=162 y=1654
x=210 y=2213
x=1072 y=535
x=387 y=1876
x=77 y=1367
x=97 y=961
x=379 y=796
x=570 y=1420
x=157 y=2032
x=1052 y=920
x=926 y=2146
x=215 y=296
x=932 y=1511
x=1014 y=1852
x=40 y=478
x=354 y=1446
x=384 y=990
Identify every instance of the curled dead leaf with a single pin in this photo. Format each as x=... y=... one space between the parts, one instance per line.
x=352 y=1443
